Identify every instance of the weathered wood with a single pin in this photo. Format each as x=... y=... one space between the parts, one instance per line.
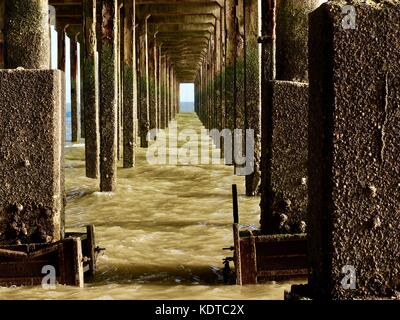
x=237 y=254
x=235 y=204
x=248 y=261
x=269 y=257
x=42 y=252
x=72 y=258
x=78 y=262
x=91 y=249
x=12 y=253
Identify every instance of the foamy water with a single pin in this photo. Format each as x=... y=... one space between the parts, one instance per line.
x=164 y=230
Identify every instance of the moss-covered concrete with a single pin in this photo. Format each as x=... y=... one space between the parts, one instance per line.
x=27 y=34
x=2 y=31
x=31 y=156
x=74 y=89
x=90 y=97
x=292 y=39
x=129 y=85
x=129 y=117
x=108 y=98
x=354 y=148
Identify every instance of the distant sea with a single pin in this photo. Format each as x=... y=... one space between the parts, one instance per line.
x=68 y=131
x=187 y=106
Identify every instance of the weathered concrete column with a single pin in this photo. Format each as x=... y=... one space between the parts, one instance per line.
x=156 y=82
x=172 y=96
x=168 y=92
x=81 y=41
x=31 y=152
x=219 y=74
x=163 y=120
x=252 y=87
x=230 y=74
x=27 y=34
x=285 y=191
x=159 y=85
x=31 y=156
x=354 y=221
x=152 y=81
x=120 y=63
x=90 y=83
x=203 y=97
x=60 y=28
x=74 y=86
x=144 y=84
x=292 y=39
x=268 y=73
x=2 y=33
x=176 y=97
x=108 y=96
x=130 y=89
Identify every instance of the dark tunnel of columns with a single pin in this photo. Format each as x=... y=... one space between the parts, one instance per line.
x=270 y=66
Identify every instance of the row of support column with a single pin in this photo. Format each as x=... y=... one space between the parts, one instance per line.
x=128 y=85
x=228 y=82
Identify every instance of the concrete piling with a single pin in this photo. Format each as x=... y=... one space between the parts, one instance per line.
x=354 y=144
x=108 y=96
x=74 y=86
x=130 y=92
x=27 y=20
x=31 y=153
x=91 y=90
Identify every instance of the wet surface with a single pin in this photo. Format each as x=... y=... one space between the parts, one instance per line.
x=164 y=231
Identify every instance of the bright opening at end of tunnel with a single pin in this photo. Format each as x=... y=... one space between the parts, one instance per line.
x=186 y=100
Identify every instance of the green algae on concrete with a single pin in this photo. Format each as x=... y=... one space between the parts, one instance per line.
x=108 y=97
x=292 y=39
x=91 y=91
x=74 y=89
x=354 y=193
x=31 y=156
x=27 y=34
x=129 y=85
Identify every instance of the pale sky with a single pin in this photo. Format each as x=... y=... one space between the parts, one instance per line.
x=187 y=92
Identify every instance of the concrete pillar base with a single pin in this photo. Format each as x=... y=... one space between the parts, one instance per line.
x=285 y=162
x=354 y=147
x=31 y=156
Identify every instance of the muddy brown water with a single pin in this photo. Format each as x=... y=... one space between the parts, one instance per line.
x=164 y=231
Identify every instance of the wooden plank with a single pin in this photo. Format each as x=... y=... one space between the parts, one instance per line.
x=237 y=254
x=61 y=263
x=282 y=262
x=253 y=258
x=282 y=248
x=284 y=273
x=24 y=269
x=235 y=204
x=91 y=249
x=23 y=281
x=12 y=253
x=22 y=265
x=68 y=275
x=43 y=252
x=248 y=265
x=78 y=262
